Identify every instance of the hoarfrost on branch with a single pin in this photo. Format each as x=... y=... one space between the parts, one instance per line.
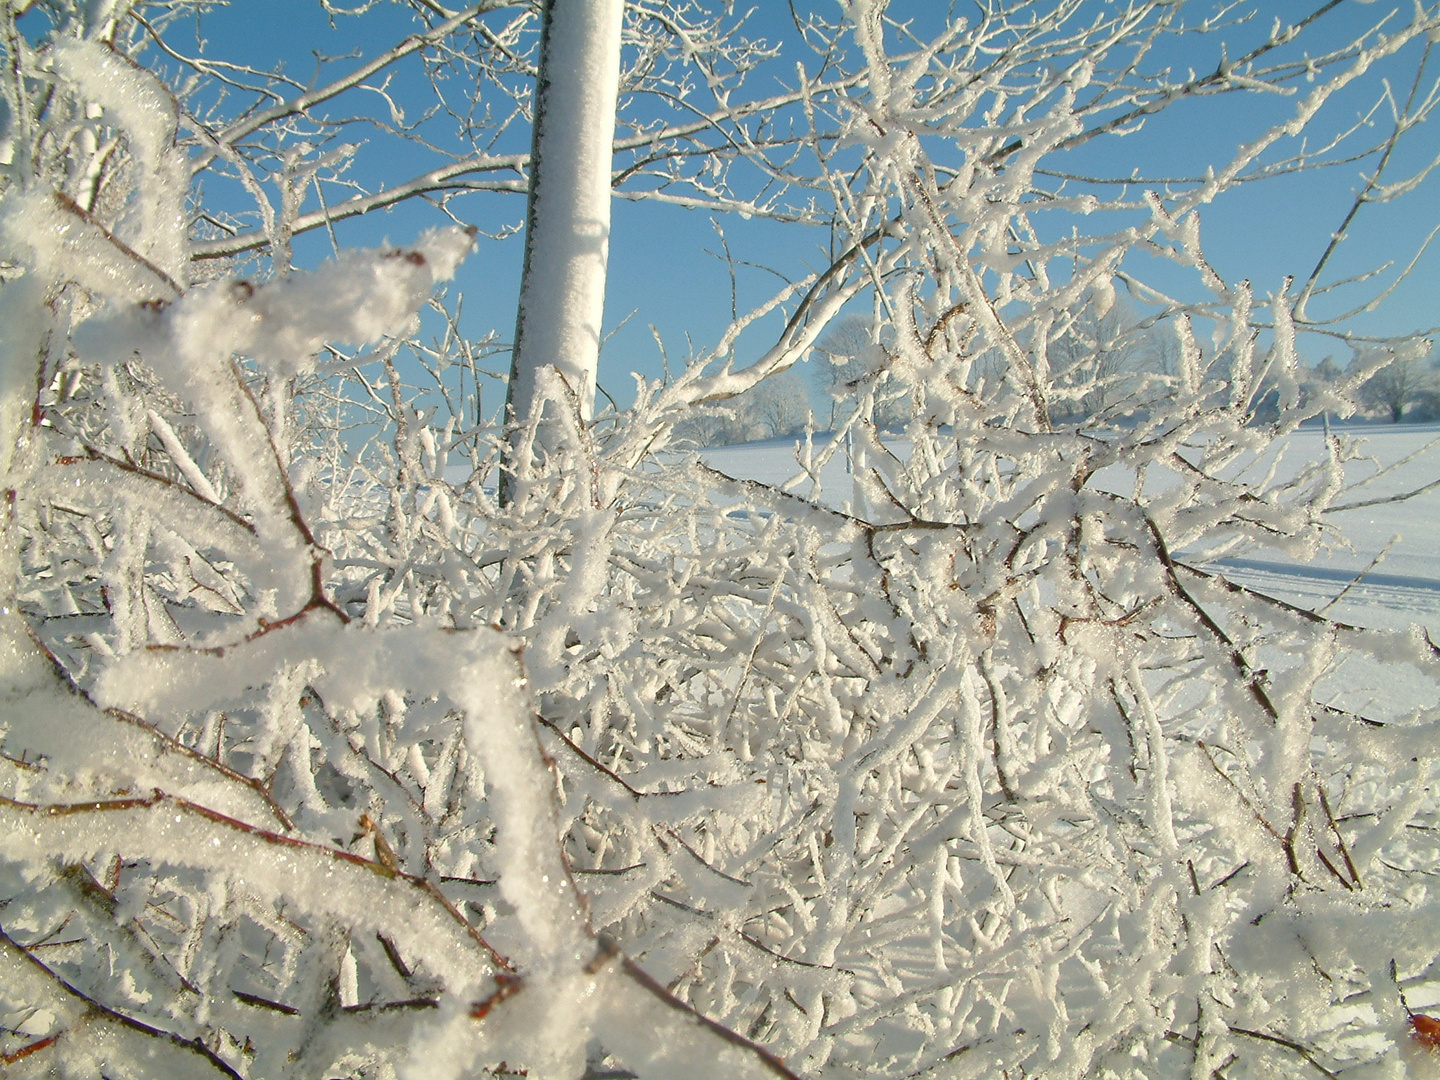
x=317 y=758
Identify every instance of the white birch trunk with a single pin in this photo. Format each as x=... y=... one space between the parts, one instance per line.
x=567 y=227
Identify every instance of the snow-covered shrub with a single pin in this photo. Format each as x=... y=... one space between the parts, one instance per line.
x=241 y=832
x=968 y=770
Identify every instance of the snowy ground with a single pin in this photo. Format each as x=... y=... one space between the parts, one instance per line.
x=1402 y=589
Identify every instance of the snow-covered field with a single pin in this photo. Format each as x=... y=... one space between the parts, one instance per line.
x=1403 y=588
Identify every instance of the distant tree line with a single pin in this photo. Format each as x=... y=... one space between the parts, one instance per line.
x=1110 y=365
x=772 y=409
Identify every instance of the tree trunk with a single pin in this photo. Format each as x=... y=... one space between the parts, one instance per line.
x=567 y=219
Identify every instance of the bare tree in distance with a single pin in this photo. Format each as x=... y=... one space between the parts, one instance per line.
x=1097 y=361
x=852 y=366
x=848 y=358
x=771 y=409
x=1397 y=386
x=775 y=407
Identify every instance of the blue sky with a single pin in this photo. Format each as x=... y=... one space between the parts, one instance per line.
x=662 y=267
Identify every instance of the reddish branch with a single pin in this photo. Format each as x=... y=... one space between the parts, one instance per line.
x=92 y=1008
x=185 y=806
